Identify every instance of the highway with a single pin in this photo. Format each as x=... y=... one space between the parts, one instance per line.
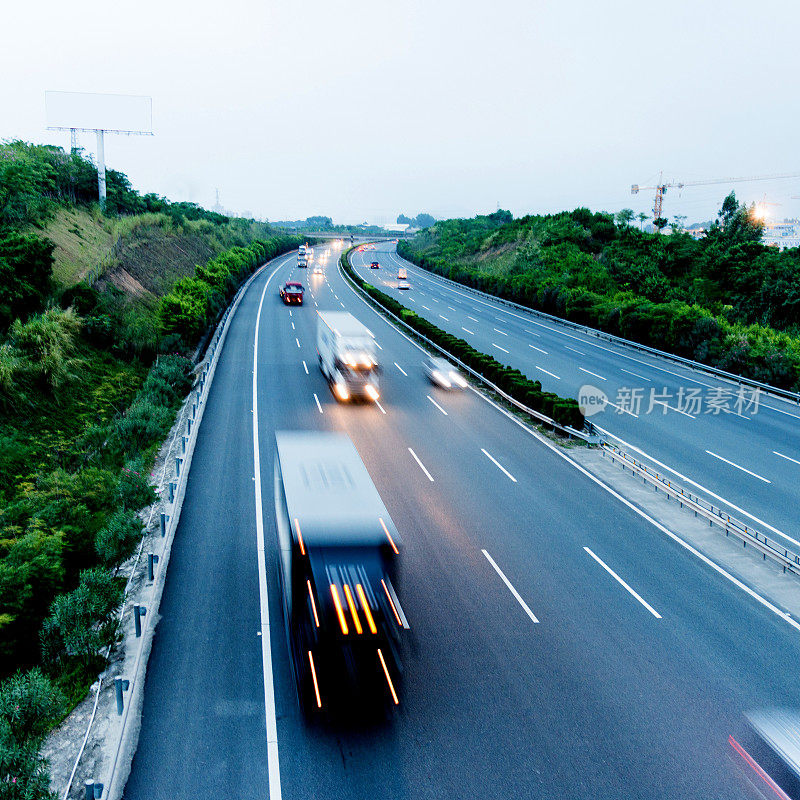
x=748 y=462
x=562 y=646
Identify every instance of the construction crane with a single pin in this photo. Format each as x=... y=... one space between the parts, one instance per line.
x=661 y=187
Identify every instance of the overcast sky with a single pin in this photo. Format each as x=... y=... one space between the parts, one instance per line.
x=363 y=109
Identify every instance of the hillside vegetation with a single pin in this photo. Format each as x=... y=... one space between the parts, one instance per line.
x=98 y=314
x=725 y=300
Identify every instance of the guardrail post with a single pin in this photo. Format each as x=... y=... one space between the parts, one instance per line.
x=171 y=491
x=178 y=462
x=189 y=426
x=164 y=520
x=120 y=685
x=183 y=443
x=194 y=410
x=89 y=789
x=138 y=613
x=152 y=559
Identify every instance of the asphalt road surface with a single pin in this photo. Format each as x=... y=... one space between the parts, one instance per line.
x=562 y=646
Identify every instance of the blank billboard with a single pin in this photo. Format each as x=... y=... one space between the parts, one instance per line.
x=108 y=112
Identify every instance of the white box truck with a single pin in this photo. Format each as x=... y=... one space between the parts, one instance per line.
x=347 y=359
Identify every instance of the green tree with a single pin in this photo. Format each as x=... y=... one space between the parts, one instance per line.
x=642 y=217
x=624 y=217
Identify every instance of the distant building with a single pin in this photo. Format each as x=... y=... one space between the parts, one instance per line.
x=396 y=227
x=782 y=235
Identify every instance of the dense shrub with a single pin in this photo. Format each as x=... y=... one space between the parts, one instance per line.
x=83 y=621
x=117 y=539
x=193 y=303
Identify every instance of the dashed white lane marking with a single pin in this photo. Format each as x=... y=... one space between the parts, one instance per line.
x=788 y=458
x=426 y=308
x=318 y=403
x=421 y=465
x=383 y=411
x=499 y=348
x=622 y=583
x=441 y=316
x=498 y=465
x=297 y=340
x=539 y=349
x=636 y=375
x=502 y=333
x=293 y=326
x=472 y=318
x=468 y=330
x=451 y=308
x=436 y=404
x=401 y=369
x=574 y=350
x=552 y=375
x=738 y=466
x=378 y=346
x=533 y=333
x=513 y=591
x=305 y=367
x=592 y=373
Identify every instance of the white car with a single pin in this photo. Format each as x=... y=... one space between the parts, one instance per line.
x=403 y=285
x=442 y=373
x=317 y=270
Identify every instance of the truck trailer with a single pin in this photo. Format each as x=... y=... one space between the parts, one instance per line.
x=346 y=349
x=338 y=568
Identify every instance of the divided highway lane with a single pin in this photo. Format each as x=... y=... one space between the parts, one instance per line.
x=599 y=697
x=752 y=462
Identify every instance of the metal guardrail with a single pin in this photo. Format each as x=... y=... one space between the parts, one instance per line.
x=784 y=394
x=715 y=515
x=590 y=436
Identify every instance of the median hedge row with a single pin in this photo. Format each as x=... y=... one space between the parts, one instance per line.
x=563 y=410
x=195 y=301
x=752 y=351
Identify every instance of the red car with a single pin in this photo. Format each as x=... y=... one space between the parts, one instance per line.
x=292 y=292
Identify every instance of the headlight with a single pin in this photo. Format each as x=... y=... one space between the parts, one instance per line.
x=341 y=391
x=372 y=392
x=440 y=379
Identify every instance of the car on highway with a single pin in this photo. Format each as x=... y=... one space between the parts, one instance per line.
x=318 y=270
x=402 y=275
x=403 y=285
x=292 y=293
x=374 y=265
x=442 y=373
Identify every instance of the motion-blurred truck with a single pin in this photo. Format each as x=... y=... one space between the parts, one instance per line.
x=347 y=358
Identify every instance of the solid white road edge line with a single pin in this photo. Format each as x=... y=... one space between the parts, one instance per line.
x=421 y=465
x=273 y=766
x=643 y=514
x=622 y=583
x=498 y=465
x=513 y=591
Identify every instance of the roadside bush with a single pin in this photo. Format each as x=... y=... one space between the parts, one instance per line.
x=82 y=622
x=23 y=771
x=193 y=302
x=29 y=704
x=134 y=490
x=117 y=539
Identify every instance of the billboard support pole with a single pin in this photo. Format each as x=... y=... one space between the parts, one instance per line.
x=101 y=170
x=73 y=140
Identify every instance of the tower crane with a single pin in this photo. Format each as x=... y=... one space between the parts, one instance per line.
x=661 y=187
